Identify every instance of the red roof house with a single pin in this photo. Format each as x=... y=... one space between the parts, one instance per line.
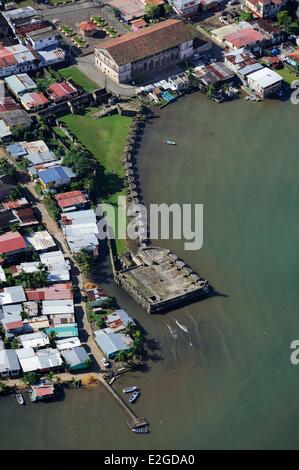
x=12 y=243
x=34 y=101
x=61 y=291
x=70 y=199
x=16 y=204
x=61 y=91
x=244 y=37
x=138 y=24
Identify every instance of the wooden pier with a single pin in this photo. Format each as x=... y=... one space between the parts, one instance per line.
x=135 y=421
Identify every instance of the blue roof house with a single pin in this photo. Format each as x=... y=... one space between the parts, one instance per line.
x=55 y=177
x=16 y=151
x=112 y=343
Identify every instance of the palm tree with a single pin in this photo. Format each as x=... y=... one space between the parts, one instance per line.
x=52 y=337
x=121 y=356
x=130 y=328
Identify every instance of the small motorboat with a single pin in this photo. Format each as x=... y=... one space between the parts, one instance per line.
x=130 y=389
x=20 y=399
x=143 y=430
x=183 y=327
x=169 y=142
x=134 y=397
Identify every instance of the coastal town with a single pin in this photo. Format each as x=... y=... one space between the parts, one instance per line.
x=79 y=82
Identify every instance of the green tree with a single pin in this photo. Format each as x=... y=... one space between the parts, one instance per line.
x=100 y=322
x=245 y=16
x=6 y=168
x=52 y=207
x=15 y=344
x=85 y=262
x=52 y=337
x=130 y=328
x=16 y=193
x=210 y=91
x=167 y=9
x=288 y=22
x=152 y=11
x=29 y=378
x=121 y=356
x=138 y=339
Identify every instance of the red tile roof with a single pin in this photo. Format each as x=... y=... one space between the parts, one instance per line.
x=17 y=204
x=155 y=2
x=244 y=37
x=44 y=390
x=14 y=324
x=36 y=99
x=87 y=26
x=147 y=41
x=11 y=241
x=71 y=198
x=61 y=90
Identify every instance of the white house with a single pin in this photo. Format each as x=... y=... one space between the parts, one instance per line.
x=265 y=82
x=43 y=38
x=185 y=7
x=34 y=340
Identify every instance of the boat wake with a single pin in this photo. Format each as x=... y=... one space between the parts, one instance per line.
x=184 y=328
x=173 y=332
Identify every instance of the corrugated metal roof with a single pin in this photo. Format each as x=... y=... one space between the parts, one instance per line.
x=55 y=307
x=111 y=343
x=75 y=356
x=71 y=198
x=41 y=240
x=8 y=361
x=20 y=83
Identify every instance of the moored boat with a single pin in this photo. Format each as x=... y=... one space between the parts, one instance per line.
x=134 y=397
x=130 y=389
x=20 y=399
x=141 y=430
x=169 y=142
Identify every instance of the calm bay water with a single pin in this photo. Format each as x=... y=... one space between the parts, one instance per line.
x=228 y=383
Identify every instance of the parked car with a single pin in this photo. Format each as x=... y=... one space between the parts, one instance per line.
x=105 y=362
x=233 y=2
x=196 y=56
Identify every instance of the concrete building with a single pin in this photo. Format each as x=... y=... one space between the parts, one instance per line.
x=265 y=82
x=265 y=8
x=43 y=38
x=185 y=7
x=137 y=54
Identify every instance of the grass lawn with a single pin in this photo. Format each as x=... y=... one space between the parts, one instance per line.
x=288 y=74
x=105 y=139
x=78 y=77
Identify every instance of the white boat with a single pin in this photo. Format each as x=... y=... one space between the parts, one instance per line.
x=169 y=142
x=184 y=328
x=134 y=397
x=142 y=430
x=130 y=389
x=20 y=399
